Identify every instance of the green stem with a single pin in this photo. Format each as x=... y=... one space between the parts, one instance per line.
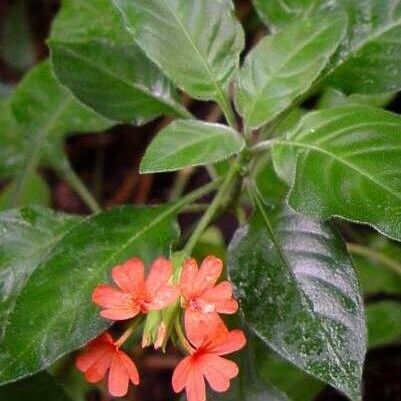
x=128 y=333
x=225 y=105
x=386 y=261
x=214 y=206
x=180 y=182
x=79 y=187
x=263 y=146
x=181 y=337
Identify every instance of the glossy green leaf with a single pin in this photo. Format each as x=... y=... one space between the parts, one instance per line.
x=369 y=59
x=41 y=387
x=186 y=143
x=345 y=162
x=277 y=72
x=195 y=43
x=46 y=112
x=35 y=192
x=52 y=263
x=117 y=81
x=384 y=323
x=299 y=293
x=84 y=21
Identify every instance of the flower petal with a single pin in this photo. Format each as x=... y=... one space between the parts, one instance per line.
x=221 y=297
x=130 y=367
x=130 y=276
x=196 y=388
x=234 y=341
x=118 y=377
x=118 y=305
x=218 y=372
x=98 y=369
x=159 y=275
x=200 y=327
x=167 y=295
x=189 y=272
x=208 y=274
x=180 y=375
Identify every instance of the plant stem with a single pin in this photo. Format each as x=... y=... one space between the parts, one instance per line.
x=225 y=105
x=180 y=182
x=262 y=146
x=79 y=187
x=214 y=206
x=128 y=333
x=181 y=337
x=386 y=261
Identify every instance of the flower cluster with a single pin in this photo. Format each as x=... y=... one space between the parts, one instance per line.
x=206 y=339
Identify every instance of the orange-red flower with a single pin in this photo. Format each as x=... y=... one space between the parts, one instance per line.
x=103 y=355
x=206 y=362
x=135 y=295
x=203 y=299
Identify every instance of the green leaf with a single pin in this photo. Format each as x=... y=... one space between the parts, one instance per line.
x=11 y=149
x=334 y=98
x=276 y=72
x=186 y=143
x=299 y=293
x=52 y=264
x=41 y=387
x=369 y=59
x=277 y=13
x=46 y=113
x=345 y=162
x=384 y=323
x=36 y=192
x=195 y=43
x=117 y=81
x=16 y=44
x=84 y=21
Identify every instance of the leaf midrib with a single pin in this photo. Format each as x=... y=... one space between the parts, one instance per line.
x=219 y=90
x=119 y=78
x=283 y=257
x=276 y=74
x=342 y=161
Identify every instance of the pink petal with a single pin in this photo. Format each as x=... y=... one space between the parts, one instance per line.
x=166 y=295
x=180 y=375
x=130 y=367
x=108 y=297
x=122 y=313
x=234 y=341
x=130 y=276
x=195 y=388
x=159 y=275
x=221 y=297
x=96 y=371
x=200 y=326
x=218 y=372
x=189 y=272
x=208 y=274
x=118 y=378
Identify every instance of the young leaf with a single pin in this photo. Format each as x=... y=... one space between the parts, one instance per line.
x=117 y=81
x=46 y=112
x=41 y=387
x=195 y=43
x=369 y=59
x=276 y=72
x=56 y=263
x=300 y=294
x=186 y=143
x=277 y=13
x=345 y=162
